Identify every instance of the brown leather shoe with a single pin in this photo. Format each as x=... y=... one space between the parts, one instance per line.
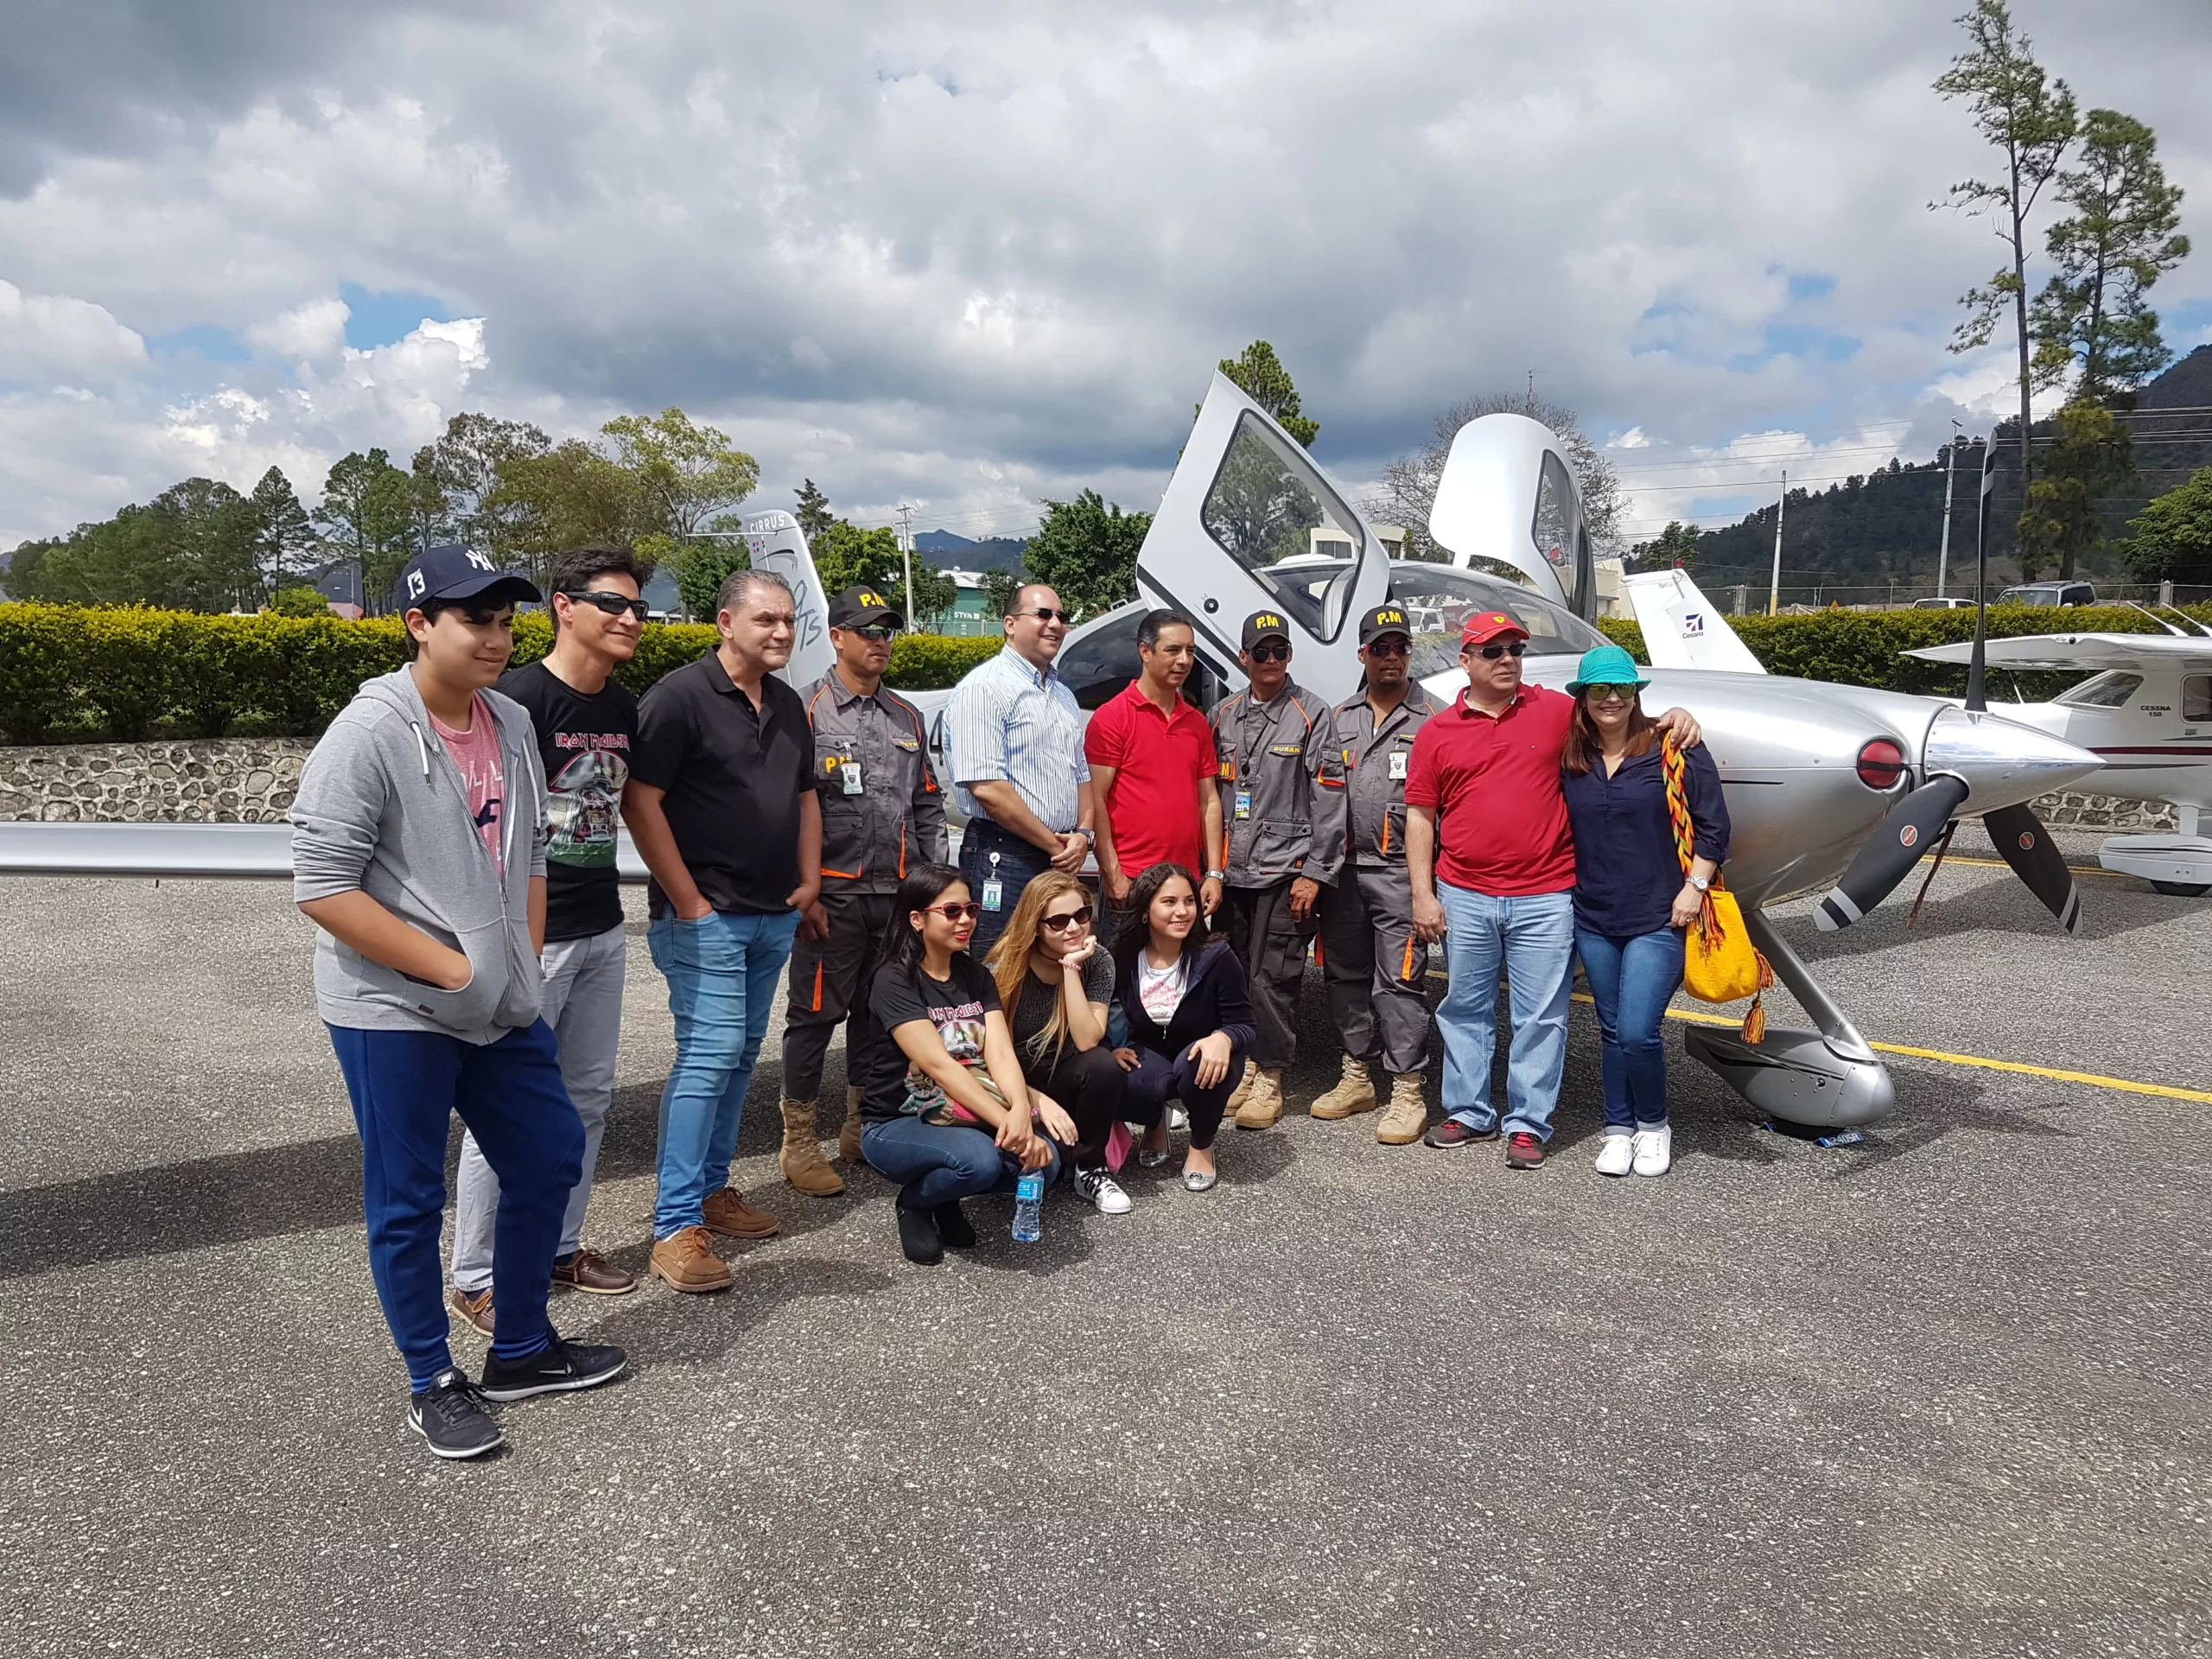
x=686 y=1262
x=727 y=1213
x=475 y=1310
x=588 y=1271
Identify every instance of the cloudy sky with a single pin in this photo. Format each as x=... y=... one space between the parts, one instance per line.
x=972 y=255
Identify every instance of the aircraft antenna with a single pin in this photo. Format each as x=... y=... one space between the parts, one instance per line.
x=2134 y=605
x=1977 y=666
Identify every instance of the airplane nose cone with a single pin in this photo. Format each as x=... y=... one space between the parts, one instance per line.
x=2003 y=762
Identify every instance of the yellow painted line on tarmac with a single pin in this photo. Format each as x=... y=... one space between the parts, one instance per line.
x=2166 y=1091
x=1999 y=864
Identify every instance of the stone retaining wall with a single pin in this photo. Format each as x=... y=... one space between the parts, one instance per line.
x=251 y=780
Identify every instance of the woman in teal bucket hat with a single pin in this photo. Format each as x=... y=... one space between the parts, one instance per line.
x=1632 y=901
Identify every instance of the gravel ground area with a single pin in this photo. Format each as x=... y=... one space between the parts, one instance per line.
x=1942 y=1393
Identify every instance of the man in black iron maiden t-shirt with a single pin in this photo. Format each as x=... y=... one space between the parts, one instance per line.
x=586 y=723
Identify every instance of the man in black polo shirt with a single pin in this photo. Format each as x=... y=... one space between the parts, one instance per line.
x=721 y=802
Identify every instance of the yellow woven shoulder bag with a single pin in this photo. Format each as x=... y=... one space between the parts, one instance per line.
x=1719 y=963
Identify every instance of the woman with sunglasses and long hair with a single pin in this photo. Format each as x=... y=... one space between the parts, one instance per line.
x=945 y=1110
x=1056 y=983
x=1632 y=902
x=1189 y=1013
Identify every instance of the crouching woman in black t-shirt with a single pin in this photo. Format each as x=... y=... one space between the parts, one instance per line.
x=944 y=1109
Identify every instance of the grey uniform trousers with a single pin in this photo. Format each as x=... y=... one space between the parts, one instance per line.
x=1377 y=970
x=830 y=980
x=1271 y=942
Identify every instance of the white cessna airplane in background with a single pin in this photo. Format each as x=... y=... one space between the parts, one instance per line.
x=1822 y=781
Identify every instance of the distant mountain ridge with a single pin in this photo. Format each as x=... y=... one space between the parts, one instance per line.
x=992 y=553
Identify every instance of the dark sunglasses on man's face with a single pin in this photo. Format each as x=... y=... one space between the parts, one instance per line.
x=1271 y=653
x=875 y=635
x=1073 y=918
x=610 y=604
x=1491 y=653
x=1387 y=646
x=957 y=912
x=1044 y=615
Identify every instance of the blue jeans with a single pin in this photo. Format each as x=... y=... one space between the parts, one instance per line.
x=406 y=1086
x=1533 y=937
x=1019 y=864
x=1631 y=981
x=722 y=971
x=939 y=1164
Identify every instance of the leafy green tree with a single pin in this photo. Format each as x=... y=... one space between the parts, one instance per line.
x=1087 y=552
x=935 y=593
x=571 y=495
x=1674 y=545
x=2090 y=319
x=846 y=556
x=1000 y=585
x=299 y=600
x=2173 y=534
x=2030 y=120
x=464 y=464
x=2087 y=458
x=814 y=515
x=284 y=541
x=211 y=533
x=700 y=568
x=367 y=513
x=1260 y=373
x=685 y=474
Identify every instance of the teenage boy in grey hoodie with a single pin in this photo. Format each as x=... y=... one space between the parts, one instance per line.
x=418 y=848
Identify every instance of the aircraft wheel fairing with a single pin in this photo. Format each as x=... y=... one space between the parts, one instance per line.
x=1795 y=1076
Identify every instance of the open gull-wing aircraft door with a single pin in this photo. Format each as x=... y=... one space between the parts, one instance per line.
x=1507 y=495
x=1248 y=524
x=776 y=542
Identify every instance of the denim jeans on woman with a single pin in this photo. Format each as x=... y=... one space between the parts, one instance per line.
x=938 y=1163
x=722 y=971
x=1532 y=936
x=1631 y=981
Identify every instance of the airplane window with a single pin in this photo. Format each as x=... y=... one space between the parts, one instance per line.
x=1438 y=600
x=2110 y=690
x=1103 y=660
x=2196 y=697
x=1263 y=510
x=1557 y=522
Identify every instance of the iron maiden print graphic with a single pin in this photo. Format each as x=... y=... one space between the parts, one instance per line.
x=587 y=799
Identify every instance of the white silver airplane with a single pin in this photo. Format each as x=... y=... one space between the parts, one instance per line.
x=2147 y=713
x=1822 y=781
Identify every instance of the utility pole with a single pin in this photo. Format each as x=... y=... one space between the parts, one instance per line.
x=1950 y=466
x=906 y=548
x=1774 y=589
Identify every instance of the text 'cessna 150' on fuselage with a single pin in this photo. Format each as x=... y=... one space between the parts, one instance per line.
x=1822 y=781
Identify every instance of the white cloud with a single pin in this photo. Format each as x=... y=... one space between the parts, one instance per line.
x=48 y=334
x=975 y=254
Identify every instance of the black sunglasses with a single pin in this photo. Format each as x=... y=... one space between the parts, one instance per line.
x=1510 y=648
x=1044 y=615
x=1073 y=918
x=876 y=635
x=1270 y=653
x=610 y=604
x=1387 y=646
x=957 y=912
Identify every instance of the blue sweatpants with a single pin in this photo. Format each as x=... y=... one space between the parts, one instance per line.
x=405 y=1087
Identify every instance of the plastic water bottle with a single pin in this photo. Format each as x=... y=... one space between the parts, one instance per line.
x=1029 y=1207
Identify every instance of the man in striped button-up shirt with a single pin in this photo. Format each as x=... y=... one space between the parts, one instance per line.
x=1017 y=770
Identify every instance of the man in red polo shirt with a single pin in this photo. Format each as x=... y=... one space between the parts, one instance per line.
x=1483 y=786
x=1153 y=769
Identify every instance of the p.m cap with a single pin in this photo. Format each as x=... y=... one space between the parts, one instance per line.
x=449 y=572
x=1264 y=624
x=1384 y=618
x=1485 y=626
x=862 y=608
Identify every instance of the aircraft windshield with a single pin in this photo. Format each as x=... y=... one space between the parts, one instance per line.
x=1437 y=598
x=2110 y=689
x=1265 y=506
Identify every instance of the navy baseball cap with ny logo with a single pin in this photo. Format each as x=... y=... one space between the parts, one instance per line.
x=456 y=573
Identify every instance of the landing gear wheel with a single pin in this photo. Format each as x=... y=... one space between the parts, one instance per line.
x=2182 y=889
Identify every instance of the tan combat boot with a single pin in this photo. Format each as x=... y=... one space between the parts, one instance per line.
x=1353 y=1093
x=849 y=1138
x=1242 y=1092
x=1263 y=1106
x=801 y=1159
x=1407 y=1114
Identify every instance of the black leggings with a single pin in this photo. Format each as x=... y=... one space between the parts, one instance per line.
x=1089 y=1086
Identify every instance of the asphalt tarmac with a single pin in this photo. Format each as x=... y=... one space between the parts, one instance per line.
x=1945 y=1392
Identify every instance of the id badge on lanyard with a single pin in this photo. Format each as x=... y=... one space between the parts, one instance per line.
x=994 y=893
x=1397 y=766
x=850 y=771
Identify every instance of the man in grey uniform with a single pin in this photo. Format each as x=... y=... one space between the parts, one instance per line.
x=1270 y=740
x=882 y=814
x=1377 y=966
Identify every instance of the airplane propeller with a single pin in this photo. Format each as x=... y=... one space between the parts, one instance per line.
x=1891 y=852
x=2026 y=845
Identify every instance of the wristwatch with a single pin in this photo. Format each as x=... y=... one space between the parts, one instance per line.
x=1216 y=876
x=1700 y=883
x=1089 y=835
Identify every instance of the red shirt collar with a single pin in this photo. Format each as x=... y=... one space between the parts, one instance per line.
x=1522 y=693
x=1134 y=691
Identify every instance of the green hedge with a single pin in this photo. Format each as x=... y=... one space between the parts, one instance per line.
x=69 y=673
x=1864 y=647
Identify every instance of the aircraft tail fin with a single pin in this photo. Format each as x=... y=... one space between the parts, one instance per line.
x=1684 y=629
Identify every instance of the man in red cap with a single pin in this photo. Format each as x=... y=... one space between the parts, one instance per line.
x=1492 y=867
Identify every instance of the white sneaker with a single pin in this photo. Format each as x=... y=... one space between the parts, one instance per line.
x=1614 y=1154
x=1654 y=1150
x=1103 y=1191
x=1178 y=1120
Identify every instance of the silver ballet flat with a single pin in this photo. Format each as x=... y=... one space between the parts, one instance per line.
x=1201 y=1180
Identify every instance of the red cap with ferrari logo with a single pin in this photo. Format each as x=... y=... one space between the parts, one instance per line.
x=1485 y=626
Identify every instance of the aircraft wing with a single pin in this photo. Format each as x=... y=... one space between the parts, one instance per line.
x=1684 y=629
x=2078 y=650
